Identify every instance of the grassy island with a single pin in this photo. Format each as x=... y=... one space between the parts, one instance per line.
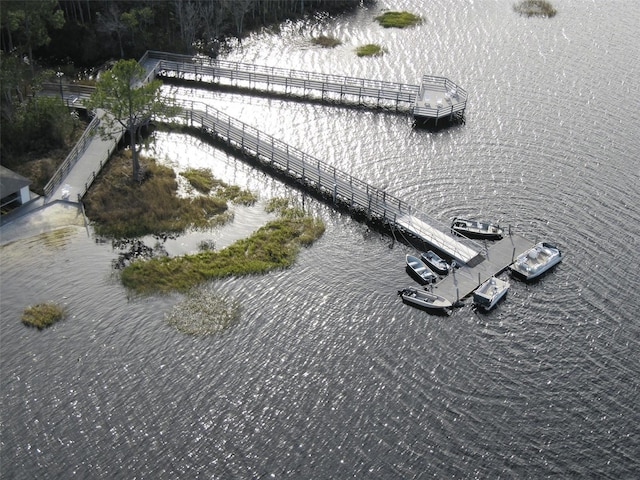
x=535 y=8
x=42 y=315
x=122 y=208
x=369 y=50
x=398 y=19
x=273 y=246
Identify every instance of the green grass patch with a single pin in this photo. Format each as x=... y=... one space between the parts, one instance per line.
x=273 y=246
x=203 y=181
x=326 y=41
x=204 y=313
x=370 y=50
x=535 y=8
x=398 y=19
x=42 y=315
x=122 y=208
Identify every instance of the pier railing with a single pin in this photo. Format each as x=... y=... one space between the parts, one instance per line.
x=206 y=69
x=331 y=183
x=75 y=153
x=455 y=96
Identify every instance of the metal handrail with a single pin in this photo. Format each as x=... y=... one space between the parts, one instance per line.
x=73 y=156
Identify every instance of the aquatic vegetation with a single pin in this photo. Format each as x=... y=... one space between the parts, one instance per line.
x=398 y=19
x=274 y=245
x=42 y=315
x=204 y=313
x=326 y=41
x=370 y=49
x=122 y=208
x=535 y=8
x=203 y=181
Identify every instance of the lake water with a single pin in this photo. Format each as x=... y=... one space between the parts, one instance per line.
x=328 y=374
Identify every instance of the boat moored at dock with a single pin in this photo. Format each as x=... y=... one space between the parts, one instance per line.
x=476 y=229
x=489 y=293
x=420 y=270
x=536 y=261
x=424 y=299
x=435 y=262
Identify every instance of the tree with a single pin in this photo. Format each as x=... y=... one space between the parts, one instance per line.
x=123 y=93
x=27 y=24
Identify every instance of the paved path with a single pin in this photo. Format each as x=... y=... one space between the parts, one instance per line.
x=81 y=174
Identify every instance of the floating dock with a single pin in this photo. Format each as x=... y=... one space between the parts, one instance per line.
x=497 y=257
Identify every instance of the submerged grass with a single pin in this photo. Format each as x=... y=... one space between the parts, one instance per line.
x=398 y=19
x=42 y=315
x=535 y=8
x=122 y=208
x=326 y=41
x=204 y=313
x=273 y=246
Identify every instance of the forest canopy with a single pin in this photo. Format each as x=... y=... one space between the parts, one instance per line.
x=89 y=32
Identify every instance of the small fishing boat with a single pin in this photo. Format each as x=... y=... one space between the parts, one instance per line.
x=490 y=292
x=435 y=262
x=418 y=268
x=476 y=229
x=424 y=299
x=536 y=261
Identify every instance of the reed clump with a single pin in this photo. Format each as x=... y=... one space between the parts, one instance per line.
x=535 y=8
x=370 y=50
x=202 y=180
x=119 y=207
x=273 y=246
x=326 y=41
x=42 y=315
x=402 y=19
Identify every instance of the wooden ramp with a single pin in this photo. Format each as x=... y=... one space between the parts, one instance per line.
x=446 y=243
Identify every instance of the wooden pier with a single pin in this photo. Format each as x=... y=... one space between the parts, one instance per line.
x=338 y=187
x=476 y=261
x=437 y=99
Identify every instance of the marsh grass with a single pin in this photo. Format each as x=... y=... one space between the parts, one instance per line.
x=535 y=8
x=203 y=181
x=57 y=238
x=398 y=19
x=370 y=50
x=273 y=246
x=326 y=41
x=42 y=315
x=204 y=313
x=122 y=208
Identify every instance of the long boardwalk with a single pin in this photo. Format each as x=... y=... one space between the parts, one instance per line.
x=340 y=188
x=330 y=183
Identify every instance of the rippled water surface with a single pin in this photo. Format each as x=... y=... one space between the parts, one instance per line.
x=328 y=374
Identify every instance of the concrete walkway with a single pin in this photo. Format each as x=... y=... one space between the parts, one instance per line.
x=88 y=165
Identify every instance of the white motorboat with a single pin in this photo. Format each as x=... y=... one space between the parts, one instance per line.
x=487 y=295
x=536 y=261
